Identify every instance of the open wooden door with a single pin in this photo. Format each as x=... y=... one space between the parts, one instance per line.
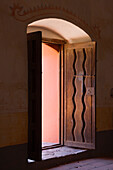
x=34 y=95
x=79 y=99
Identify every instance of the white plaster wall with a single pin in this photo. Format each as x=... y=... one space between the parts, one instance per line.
x=46 y=33
x=62 y=28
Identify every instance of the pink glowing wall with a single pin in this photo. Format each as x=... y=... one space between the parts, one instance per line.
x=50 y=94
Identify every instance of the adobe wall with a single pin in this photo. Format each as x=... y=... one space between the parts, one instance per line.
x=94 y=17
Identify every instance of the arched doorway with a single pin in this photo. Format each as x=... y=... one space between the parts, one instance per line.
x=77 y=82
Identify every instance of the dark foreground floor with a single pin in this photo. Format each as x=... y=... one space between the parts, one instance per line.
x=88 y=164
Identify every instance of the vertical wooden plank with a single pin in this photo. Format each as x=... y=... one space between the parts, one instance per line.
x=80 y=104
x=34 y=95
x=79 y=108
x=93 y=111
x=79 y=62
x=69 y=93
x=87 y=114
x=88 y=63
x=93 y=66
x=87 y=98
x=79 y=98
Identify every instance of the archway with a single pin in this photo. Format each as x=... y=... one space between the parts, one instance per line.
x=59 y=29
x=66 y=32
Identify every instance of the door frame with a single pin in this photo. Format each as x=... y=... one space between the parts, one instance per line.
x=62 y=121
x=61 y=89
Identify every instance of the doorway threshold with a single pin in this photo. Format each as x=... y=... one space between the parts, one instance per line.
x=59 y=152
x=48 y=144
x=59 y=156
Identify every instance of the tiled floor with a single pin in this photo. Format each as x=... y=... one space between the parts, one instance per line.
x=88 y=164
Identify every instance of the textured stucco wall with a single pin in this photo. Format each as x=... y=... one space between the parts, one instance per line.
x=95 y=17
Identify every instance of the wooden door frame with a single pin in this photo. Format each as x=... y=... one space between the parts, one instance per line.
x=61 y=89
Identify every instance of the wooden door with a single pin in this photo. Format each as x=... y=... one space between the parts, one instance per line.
x=34 y=95
x=79 y=99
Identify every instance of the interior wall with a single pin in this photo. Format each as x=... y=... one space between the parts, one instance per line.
x=50 y=94
x=95 y=17
x=13 y=82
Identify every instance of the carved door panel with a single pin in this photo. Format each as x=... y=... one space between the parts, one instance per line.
x=79 y=98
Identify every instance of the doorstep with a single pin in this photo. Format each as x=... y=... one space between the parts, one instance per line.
x=59 y=152
x=58 y=156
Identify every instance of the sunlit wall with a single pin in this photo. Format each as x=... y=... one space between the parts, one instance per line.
x=50 y=94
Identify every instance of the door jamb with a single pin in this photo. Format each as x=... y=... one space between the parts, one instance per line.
x=61 y=109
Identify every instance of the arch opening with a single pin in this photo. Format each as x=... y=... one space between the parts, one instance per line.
x=57 y=29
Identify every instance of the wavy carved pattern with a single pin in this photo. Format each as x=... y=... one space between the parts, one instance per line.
x=79 y=94
x=74 y=108
x=79 y=62
x=84 y=93
x=70 y=95
x=73 y=97
x=88 y=63
x=75 y=57
x=81 y=98
x=79 y=108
